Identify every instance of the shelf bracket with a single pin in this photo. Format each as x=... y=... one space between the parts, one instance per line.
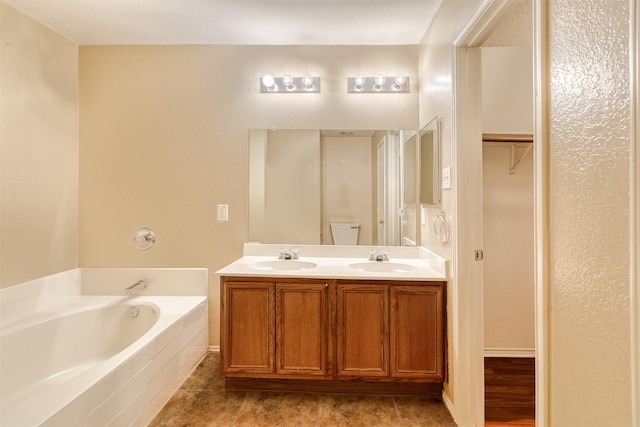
x=514 y=161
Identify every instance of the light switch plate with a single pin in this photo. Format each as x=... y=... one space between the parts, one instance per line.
x=223 y=212
x=446 y=178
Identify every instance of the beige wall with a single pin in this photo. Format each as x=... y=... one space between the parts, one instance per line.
x=347 y=185
x=164 y=138
x=509 y=318
x=589 y=202
x=436 y=99
x=292 y=199
x=508 y=241
x=39 y=150
x=507 y=90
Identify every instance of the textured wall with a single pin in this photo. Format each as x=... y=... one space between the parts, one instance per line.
x=589 y=199
x=39 y=150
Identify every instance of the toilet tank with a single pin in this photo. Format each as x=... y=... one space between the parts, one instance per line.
x=345 y=233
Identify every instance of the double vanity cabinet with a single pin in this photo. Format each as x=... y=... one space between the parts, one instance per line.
x=365 y=332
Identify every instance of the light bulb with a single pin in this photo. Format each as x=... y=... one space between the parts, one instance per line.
x=307 y=82
x=358 y=83
x=399 y=81
x=269 y=82
x=287 y=81
x=379 y=82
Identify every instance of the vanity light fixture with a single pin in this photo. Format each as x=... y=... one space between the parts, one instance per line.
x=378 y=84
x=289 y=84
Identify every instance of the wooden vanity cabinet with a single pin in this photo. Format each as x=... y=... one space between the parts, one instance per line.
x=274 y=328
x=248 y=328
x=347 y=331
x=362 y=330
x=417 y=332
x=391 y=329
x=301 y=329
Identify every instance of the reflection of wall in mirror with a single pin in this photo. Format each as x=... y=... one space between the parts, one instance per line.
x=292 y=193
x=426 y=161
x=347 y=185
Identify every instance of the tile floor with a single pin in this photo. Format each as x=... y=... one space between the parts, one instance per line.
x=201 y=401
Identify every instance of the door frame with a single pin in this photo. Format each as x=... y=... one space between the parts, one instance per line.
x=467 y=148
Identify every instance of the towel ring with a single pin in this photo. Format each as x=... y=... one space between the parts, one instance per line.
x=441 y=228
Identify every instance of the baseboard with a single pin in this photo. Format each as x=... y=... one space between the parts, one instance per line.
x=215 y=348
x=509 y=352
x=448 y=404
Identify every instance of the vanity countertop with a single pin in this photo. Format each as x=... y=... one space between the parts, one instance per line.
x=338 y=262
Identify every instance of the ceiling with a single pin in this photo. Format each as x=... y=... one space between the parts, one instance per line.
x=234 y=22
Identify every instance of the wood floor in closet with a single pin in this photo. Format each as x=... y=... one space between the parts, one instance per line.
x=509 y=387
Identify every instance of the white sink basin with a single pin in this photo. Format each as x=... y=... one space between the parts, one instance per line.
x=383 y=267
x=283 y=265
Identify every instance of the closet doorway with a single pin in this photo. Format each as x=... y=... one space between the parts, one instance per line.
x=508 y=219
x=501 y=324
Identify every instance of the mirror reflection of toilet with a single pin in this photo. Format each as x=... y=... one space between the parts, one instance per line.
x=345 y=233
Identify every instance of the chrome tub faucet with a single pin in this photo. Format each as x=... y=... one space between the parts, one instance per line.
x=136 y=287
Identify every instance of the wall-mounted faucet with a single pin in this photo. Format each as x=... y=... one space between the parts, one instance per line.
x=136 y=287
x=378 y=256
x=288 y=253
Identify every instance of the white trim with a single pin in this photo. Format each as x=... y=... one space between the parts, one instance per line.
x=448 y=403
x=482 y=22
x=468 y=332
x=468 y=324
x=541 y=249
x=509 y=352
x=214 y=348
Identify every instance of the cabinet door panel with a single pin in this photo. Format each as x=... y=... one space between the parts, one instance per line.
x=362 y=330
x=249 y=324
x=301 y=328
x=417 y=332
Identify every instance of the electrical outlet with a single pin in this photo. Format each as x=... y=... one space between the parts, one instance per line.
x=223 y=212
x=446 y=178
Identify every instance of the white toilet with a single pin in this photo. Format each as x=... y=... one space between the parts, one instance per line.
x=345 y=233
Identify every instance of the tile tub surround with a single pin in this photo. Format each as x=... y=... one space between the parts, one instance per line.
x=202 y=401
x=135 y=385
x=333 y=262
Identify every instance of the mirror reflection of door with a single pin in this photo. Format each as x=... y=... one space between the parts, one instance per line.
x=409 y=200
x=381 y=191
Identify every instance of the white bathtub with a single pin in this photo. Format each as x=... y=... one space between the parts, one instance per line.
x=99 y=360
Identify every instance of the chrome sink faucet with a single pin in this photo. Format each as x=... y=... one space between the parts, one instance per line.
x=288 y=253
x=136 y=287
x=378 y=256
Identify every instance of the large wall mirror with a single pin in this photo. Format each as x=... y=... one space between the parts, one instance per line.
x=430 y=188
x=302 y=181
